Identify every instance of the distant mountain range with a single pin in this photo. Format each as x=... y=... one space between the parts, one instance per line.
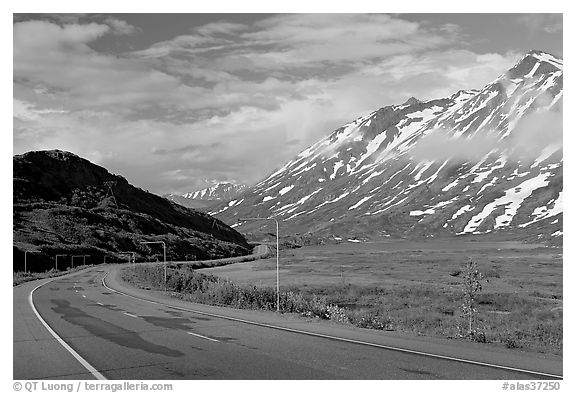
x=485 y=161
x=209 y=196
x=64 y=204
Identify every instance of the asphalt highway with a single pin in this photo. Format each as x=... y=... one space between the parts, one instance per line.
x=148 y=336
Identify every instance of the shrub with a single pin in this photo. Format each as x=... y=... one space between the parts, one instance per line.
x=337 y=314
x=318 y=307
x=293 y=302
x=510 y=339
x=471 y=285
x=371 y=320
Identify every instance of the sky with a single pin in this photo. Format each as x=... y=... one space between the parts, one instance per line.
x=173 y=102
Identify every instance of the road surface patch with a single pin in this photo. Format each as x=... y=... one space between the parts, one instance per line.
x=67 y=347
x=108 y=331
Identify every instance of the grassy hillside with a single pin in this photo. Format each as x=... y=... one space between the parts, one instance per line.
x=62 y=205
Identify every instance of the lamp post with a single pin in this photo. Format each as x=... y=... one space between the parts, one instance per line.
x=76 y=256
x=164 y=246
x=277 y=255
x=25 y=266
x=59 y=255
x=131 y=255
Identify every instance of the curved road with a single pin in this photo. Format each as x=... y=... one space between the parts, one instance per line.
x=125 y=333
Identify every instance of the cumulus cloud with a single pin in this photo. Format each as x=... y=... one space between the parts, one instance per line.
x=38 y=34
x=120 y=26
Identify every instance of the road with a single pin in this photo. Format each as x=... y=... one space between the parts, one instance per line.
x=135 y=334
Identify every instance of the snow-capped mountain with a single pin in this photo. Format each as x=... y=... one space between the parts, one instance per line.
x=219 y=191
x=479 y=161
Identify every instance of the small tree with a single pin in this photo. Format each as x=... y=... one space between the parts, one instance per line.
x=471 y=286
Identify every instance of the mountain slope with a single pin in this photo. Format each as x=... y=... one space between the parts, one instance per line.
x=479 y=161
x=62 y=205
x=209 y=196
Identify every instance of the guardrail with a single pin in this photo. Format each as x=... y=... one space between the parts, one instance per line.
x=207 y=263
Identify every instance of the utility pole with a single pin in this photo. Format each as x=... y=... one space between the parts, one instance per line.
x=110 y=184
x=25 y=262
x=164 y=246
x=277 y=255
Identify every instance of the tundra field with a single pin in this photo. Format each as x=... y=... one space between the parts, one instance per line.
x=416 y=286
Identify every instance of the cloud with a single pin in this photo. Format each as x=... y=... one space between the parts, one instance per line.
x=533 y=134
x=120 y=26
x=25 y=111
x=187 y=149
x=37 y=34
x=440 y=145
x=283 y=42
x=117 y=26
x=538 y=23
x=220 y=28
x=224 y=100
x=42 y=50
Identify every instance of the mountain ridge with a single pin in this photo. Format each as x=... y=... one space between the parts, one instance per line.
x=208 y=196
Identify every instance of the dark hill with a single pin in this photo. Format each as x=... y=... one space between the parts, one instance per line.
x=62 y=205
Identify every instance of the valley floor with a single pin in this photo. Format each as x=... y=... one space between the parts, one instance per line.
x=416 y=286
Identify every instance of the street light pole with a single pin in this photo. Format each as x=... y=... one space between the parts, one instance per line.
x=59 y=255
x=25 y=266
x=131 y=255
x=164 y=246
x=277 y=255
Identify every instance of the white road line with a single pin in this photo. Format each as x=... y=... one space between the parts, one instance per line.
x=100 y=304
x=130 y=315
x=80 y=359
x=432 y=355
x=83 y=295
x=201 y=336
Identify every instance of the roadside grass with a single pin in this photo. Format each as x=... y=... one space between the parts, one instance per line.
x=510 y=319
x=22 y=277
